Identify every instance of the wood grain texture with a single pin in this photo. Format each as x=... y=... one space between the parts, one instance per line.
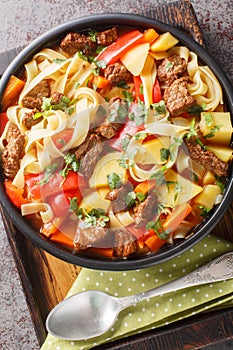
x=46 y=279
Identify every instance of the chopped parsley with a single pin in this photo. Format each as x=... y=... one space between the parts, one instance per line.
x=158 y=176
x=196 y=110
x=93 y=35
x=169 y=66
x=65 y=105
x=59 y=60
x=133 y=198
x=114 y=180
x=140 y=136
x=213 y=130
x=71 y=163
x=193 y=130
x=125 y=142
x=95 y=217
x=164 y=154
x=139 y=113
x=204 y=211
x=48 y=172
x=122 y=84
x=208 y=118
x=157 y=227
x=160 y=107
x=118 y=112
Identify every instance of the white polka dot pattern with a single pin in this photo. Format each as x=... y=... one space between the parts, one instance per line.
x=159 y=311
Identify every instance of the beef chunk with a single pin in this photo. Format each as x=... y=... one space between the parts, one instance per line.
x=207 y=158
x=125 y=243
x=74 y=42
x=87 y=236
x=146 y=210
x=108 y=130
x=118 y=197
x=90 y=142
x=92 y=155
x=13 y=151
x=171 y=69
x=28 y=119
x=177 y=97
x=56 y=97
x=34 y=98
x=116 y=73
x=107 y=37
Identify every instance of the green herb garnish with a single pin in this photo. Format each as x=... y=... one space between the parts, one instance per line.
x=114 y=180
x=71 y=163
x=48 y=172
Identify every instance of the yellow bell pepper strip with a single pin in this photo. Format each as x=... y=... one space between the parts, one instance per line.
x=12 y=91
x=117 y=49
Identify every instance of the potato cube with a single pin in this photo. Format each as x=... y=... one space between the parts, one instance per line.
x=216 y=127
x=164 y=42
x=208 y=196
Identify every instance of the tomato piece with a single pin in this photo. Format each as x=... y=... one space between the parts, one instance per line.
x=15 y=194
x=156 y=94
x=3 y=121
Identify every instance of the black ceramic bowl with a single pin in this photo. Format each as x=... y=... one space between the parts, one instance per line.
x=100 y=22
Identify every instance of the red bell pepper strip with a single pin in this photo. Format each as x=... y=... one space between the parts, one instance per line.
x=156 y=94
x=137 y=88
x=114 y=51
x=56 y=184
x=3 y=121
x=62 y=138
x=130 y=129
x=60 y=203
x=15 y=194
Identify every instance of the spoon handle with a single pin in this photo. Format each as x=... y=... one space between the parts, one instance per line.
x=216 y=270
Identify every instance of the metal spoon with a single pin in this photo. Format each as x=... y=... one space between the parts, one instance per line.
x=92 y=313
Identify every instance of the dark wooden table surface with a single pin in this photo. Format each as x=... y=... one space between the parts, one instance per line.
x=45 y=279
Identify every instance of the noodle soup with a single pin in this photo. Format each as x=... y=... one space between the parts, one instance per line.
x=116 y=143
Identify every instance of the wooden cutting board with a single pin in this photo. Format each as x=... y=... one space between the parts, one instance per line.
x=46 y=279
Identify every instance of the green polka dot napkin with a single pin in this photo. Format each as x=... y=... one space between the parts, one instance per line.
x=158 y=311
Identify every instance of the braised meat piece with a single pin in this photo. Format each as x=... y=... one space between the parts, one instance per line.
x=125 y=243
x=28 y=119
x=74 y=42
x=117 y=73
x=118 y=111
x=56 y=97
x=91 y=157
x=118 y=197
x=34 y=98
x=13 y=151
x=90 y=142
x=107 y=37
x=108 y=130
x=145 y=211
x=177 y=97
x=87 y=236
x=171 y=69
x=207 y=158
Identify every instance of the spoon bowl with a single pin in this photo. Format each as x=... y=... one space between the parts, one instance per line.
x=92 y=313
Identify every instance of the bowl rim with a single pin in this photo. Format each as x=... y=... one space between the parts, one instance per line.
x=66 y=254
